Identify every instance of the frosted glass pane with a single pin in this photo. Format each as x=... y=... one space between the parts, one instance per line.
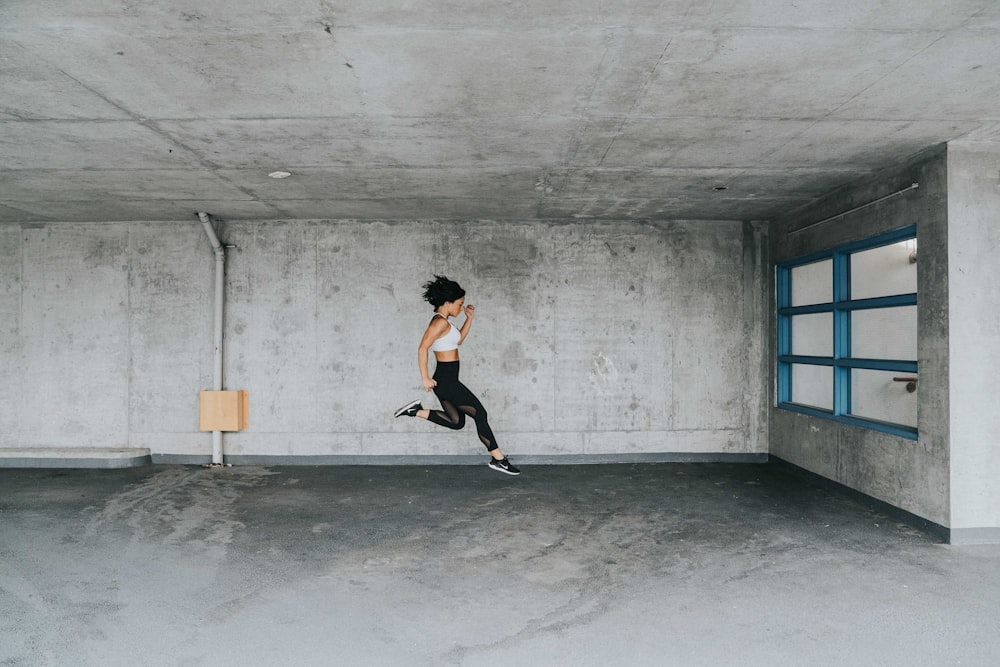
x=812 y=385
x=812 y=335
x=812 y=283
x=875 y=395
x=884 y=271
x=884 y=333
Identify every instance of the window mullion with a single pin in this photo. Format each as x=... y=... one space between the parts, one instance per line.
x=841 y=333
x=784 y=294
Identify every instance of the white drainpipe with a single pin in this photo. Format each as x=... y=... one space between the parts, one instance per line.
x=220 y=295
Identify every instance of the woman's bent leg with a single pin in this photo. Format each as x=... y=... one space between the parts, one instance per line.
x=449 y=416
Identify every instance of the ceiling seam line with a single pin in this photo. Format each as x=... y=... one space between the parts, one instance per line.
x=150 y=125
x=635 y=102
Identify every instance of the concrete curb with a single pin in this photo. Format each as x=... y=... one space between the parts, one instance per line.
x=71 y=457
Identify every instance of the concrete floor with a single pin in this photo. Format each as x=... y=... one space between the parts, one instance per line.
x=652 y=564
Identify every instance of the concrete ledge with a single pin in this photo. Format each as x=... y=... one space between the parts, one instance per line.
x=971 y=536
x=73 y=457
x=645 y=457
x=937 y=531
x=182 y=459
x=449 y=459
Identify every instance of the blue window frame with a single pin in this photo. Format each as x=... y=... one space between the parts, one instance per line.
x=840 y=362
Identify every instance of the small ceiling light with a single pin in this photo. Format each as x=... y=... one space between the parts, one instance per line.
x=280 y=174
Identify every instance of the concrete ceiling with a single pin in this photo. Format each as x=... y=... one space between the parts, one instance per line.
x=562 y=109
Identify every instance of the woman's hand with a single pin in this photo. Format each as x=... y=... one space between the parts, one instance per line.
x=470 y=311
x=429 y=384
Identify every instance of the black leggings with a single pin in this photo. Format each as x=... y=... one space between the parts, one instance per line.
x=457 y=402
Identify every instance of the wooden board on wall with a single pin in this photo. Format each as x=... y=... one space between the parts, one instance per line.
x=224 y=410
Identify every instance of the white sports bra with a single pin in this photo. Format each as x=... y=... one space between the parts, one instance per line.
x=449 y=341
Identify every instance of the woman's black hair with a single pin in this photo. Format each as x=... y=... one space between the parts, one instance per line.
x=441 y=290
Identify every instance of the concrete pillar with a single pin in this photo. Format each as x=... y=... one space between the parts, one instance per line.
x=974 y=341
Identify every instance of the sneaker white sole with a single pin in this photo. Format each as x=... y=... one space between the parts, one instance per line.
x=402 y=411
x=499 y=469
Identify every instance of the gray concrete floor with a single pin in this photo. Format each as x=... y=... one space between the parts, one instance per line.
x=652 y=564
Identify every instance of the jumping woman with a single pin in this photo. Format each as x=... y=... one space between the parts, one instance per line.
x=448 y=299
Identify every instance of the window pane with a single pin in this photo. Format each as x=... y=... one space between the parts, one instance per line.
x=812 y=335
x=875 y=395
x=812 y=385
x=884 y=271
x=884 y=333
x=812 y=283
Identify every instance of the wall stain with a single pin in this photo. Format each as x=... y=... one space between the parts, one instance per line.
x=515 y=362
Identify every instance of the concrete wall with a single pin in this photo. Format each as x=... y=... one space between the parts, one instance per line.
x=974 y=345
x=910 y=475
x=607 y=338
x=103 y=335
x=11 y=360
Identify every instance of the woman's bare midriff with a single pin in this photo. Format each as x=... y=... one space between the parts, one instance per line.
x=447 y=355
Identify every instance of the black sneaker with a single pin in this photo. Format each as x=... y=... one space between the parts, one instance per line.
x=410 y=409
x=504 y=466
